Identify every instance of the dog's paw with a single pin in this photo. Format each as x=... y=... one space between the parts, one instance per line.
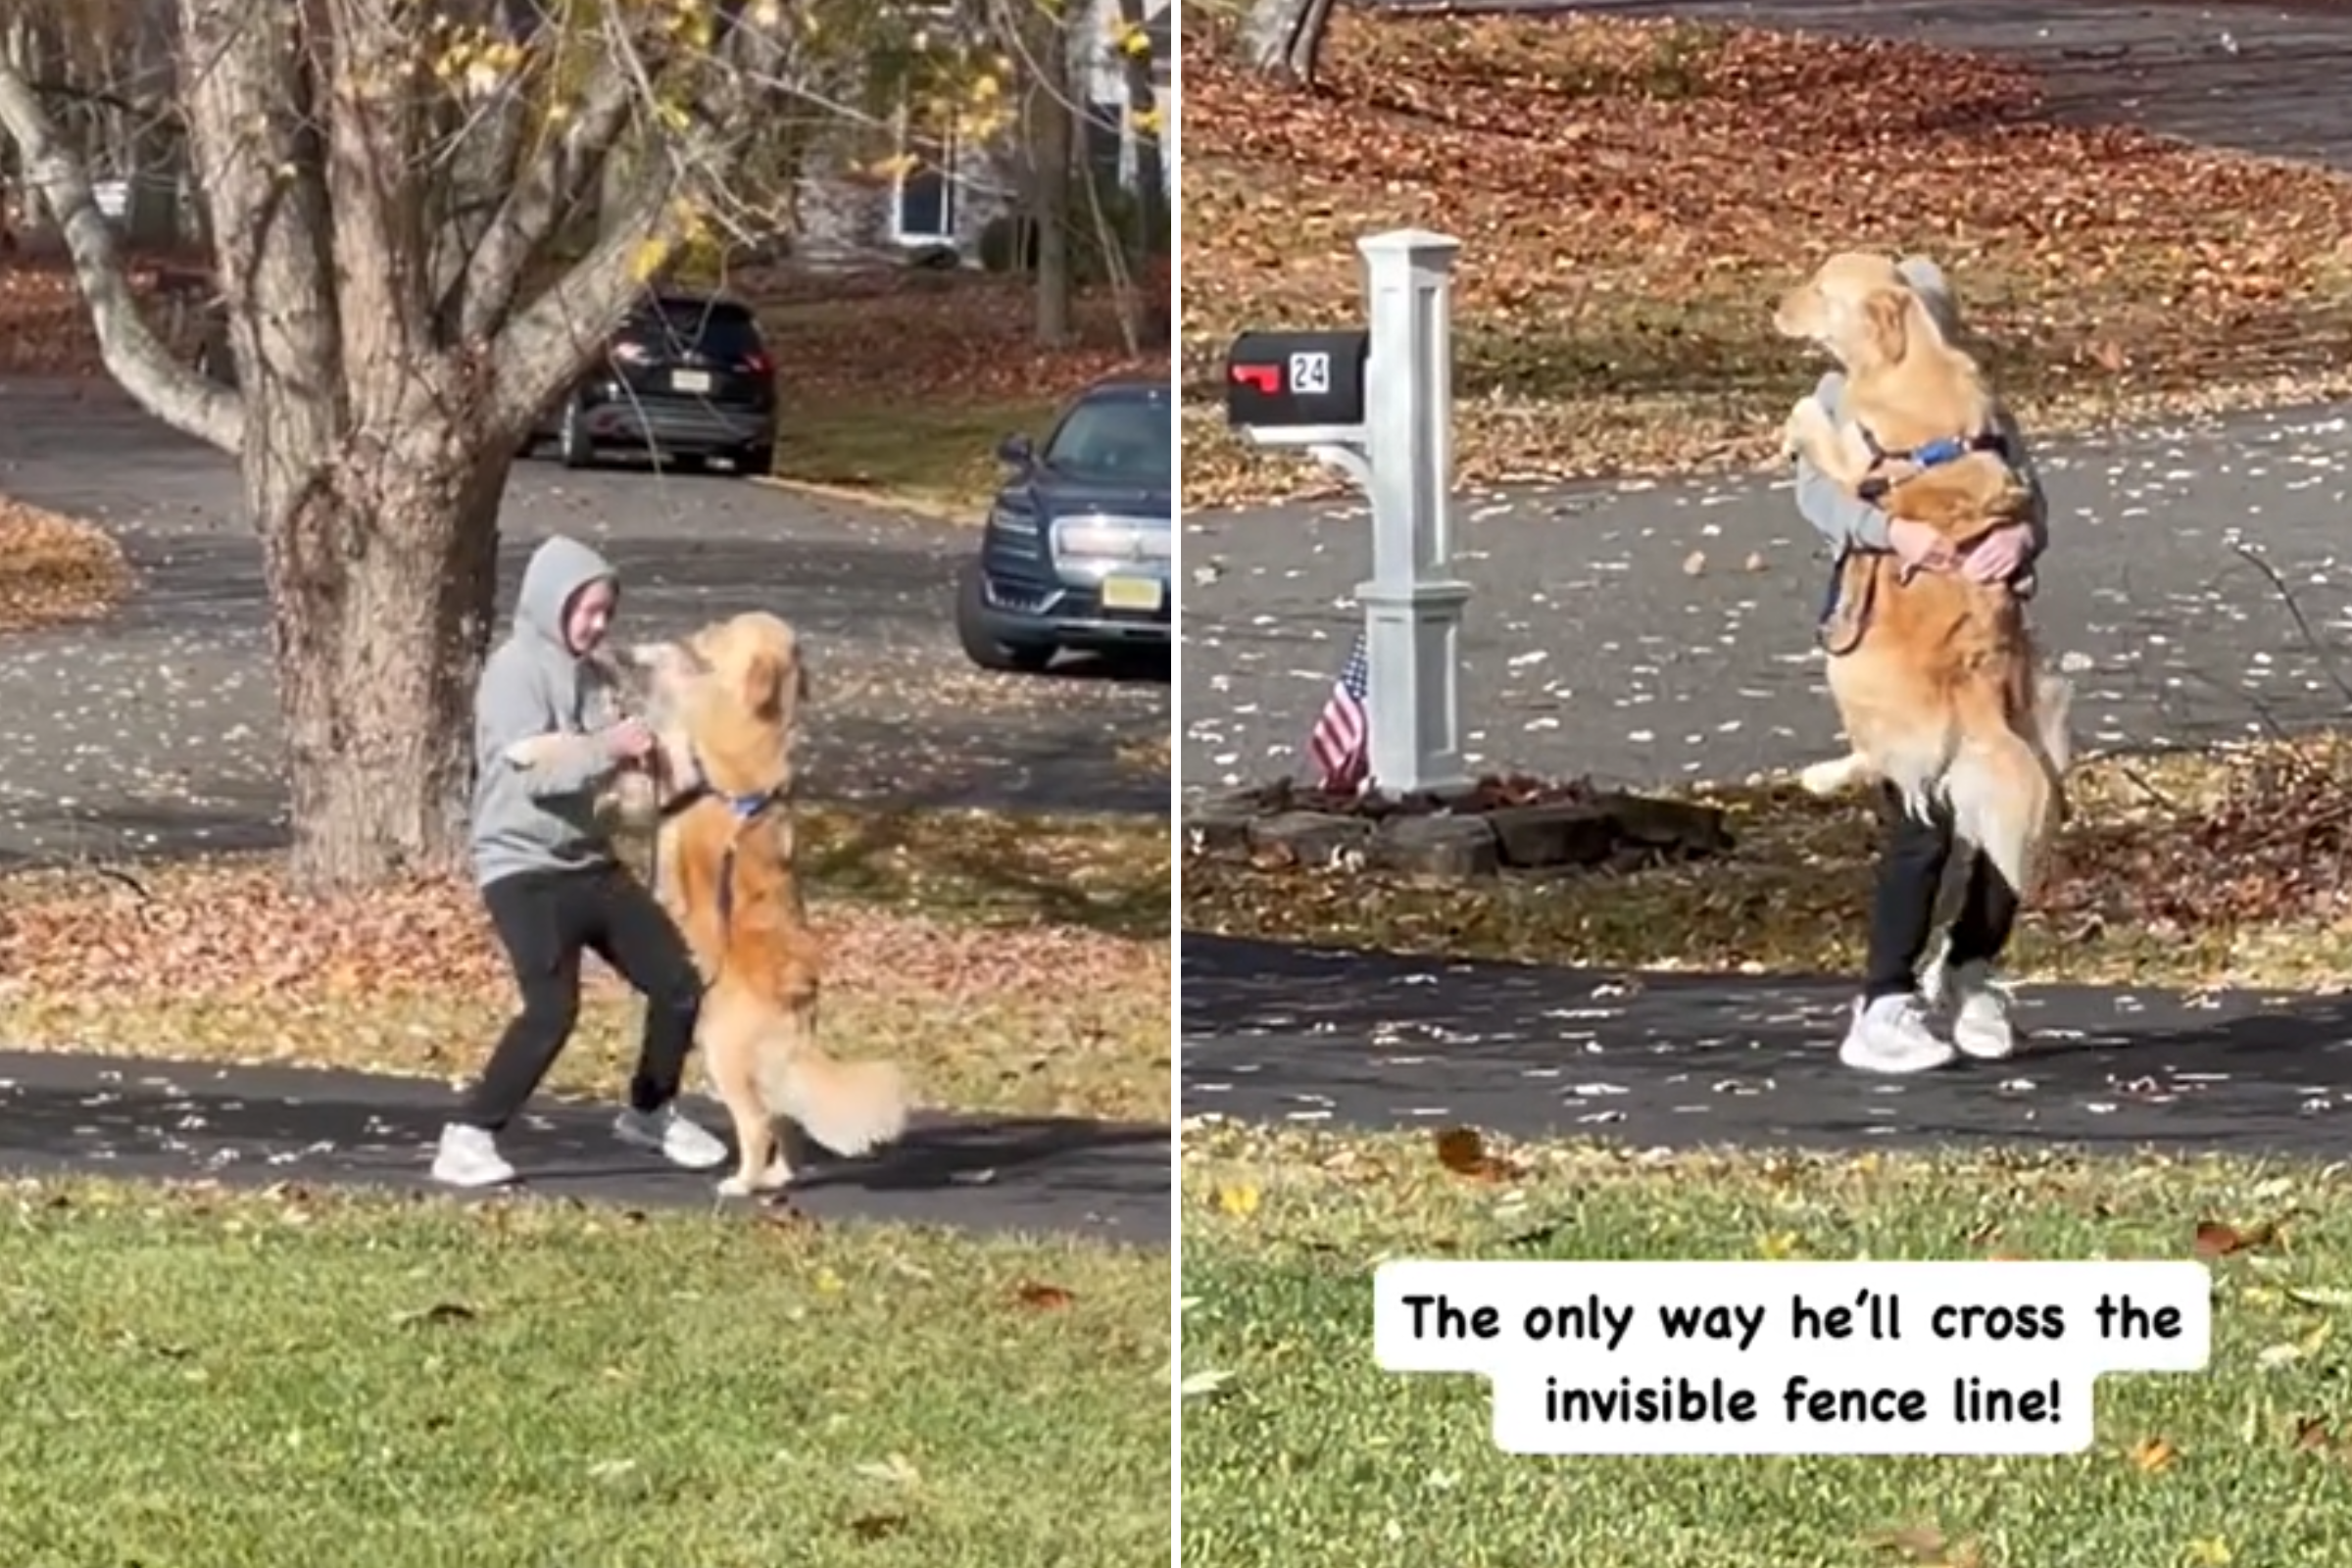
x=776 y=1179
x=535 y=750
x=1807 y=425
x=1832 y=777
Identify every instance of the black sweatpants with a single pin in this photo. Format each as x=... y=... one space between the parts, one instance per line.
x=1903 y=916
x=546 y=919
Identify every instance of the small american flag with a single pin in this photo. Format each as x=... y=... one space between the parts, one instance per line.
x=1341 y=742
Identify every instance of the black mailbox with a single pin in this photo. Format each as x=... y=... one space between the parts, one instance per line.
x=1274 y=379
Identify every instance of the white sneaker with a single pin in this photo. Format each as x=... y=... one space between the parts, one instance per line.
x=1891 y=1035
x=468 y=1157
x=679 y=1141
x=1980 y=1024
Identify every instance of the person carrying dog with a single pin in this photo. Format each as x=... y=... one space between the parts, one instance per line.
x=552 y=881
x=1892 y=1031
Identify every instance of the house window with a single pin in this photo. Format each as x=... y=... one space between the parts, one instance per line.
x=922 y=198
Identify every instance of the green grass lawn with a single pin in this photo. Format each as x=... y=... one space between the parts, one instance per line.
x=941 y=456
x=1296 y=1450
x=205 y=1381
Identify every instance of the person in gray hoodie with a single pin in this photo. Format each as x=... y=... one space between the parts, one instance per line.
x=1890 y=1031
x=552 y=882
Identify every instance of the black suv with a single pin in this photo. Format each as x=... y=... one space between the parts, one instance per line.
x=687 y=378
x=1077 y=547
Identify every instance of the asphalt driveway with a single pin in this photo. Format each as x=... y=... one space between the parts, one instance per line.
x=157 y=731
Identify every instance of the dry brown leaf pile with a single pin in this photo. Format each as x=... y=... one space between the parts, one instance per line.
x=55 y=570
x=234 y=931
x=1632 y=195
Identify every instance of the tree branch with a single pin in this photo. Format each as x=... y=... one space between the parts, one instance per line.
x=557 y=179
x=132 y=353
x=543 y=346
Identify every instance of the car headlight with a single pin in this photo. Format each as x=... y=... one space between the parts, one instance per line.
x=1006 y=521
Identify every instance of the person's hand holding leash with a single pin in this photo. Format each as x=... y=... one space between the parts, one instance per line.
x=629 y=741
x=1998 y=556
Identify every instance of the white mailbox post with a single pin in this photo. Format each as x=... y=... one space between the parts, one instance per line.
x=1400 y=449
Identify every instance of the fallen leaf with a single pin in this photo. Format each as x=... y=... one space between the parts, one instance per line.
x=1694 y=563
x=1042 y=1298
x=2153 y=1456
x=2312 y=1435
x=2215 y=1240
x=893 y=1469
x=1202 y=1385
x=1463 y=1151
x=1926 y=1546
x=438 y=1313
x=1238 y=1201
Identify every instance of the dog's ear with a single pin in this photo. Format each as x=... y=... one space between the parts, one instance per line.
x=1885 y=322
x=762 y=688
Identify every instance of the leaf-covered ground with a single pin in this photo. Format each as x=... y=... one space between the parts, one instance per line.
x=1632 y=196
x=54 y=570
x=1013 y=965
x=900 y=384
x=2184 y=869
x=224 y=1380
x=1298 y=1449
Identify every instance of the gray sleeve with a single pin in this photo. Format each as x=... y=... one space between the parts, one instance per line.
x=511 y=706
x=1844 y=522
x=2038 y=509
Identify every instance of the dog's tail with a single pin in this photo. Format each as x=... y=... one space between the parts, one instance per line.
x=2006 y=783
x=851 y=1107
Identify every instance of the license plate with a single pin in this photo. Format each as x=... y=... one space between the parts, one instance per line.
x=1131 y=592
x=690 y=381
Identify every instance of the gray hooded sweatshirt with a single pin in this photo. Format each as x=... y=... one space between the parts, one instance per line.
x=1846 y=523
x=542 y=819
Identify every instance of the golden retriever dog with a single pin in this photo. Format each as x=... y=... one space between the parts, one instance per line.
x=724 y=706
x=1935 y=675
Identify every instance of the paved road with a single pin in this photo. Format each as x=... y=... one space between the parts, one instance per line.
x=167 y=1120
x=1590 y=647
x=1318 y=1037
x=157 y=731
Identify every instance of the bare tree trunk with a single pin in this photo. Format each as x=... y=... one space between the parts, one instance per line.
x=382 y=572
x=1049 y=141
x=1285 y=37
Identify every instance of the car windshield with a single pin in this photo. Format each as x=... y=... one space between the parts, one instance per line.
x=725 y=331
x=1120 y=438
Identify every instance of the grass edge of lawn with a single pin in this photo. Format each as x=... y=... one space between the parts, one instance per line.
x=455 y=1323
x=1281 y=1224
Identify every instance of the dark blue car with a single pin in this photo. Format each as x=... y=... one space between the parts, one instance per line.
x=1077 y=547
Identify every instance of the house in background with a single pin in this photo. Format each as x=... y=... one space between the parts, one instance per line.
x=942 y=193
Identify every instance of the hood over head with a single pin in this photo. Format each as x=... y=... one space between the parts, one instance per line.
x=1928 y=282
x=560 y=568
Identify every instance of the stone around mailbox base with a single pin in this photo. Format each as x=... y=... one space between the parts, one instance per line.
x=1310 y=838
x=1451 y=848
x=1496 y=825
